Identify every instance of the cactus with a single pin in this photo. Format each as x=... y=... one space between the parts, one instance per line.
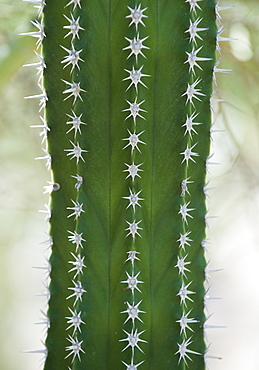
x=126 y=92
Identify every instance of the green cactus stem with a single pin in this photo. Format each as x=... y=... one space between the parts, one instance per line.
x=126 y=92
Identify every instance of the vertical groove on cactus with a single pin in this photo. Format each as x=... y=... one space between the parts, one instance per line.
x=127 y=98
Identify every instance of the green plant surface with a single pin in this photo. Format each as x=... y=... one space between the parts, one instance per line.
x=144 y=253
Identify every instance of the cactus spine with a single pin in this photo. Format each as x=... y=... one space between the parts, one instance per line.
x=127 y=92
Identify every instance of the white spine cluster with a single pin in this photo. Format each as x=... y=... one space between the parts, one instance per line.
x=75 y=91
x=135 y=77
x=193 y=94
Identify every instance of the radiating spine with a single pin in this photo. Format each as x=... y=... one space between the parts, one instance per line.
x=73 y=60
x=135 y=50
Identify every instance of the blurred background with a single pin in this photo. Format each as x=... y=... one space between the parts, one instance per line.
x=234 y=200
